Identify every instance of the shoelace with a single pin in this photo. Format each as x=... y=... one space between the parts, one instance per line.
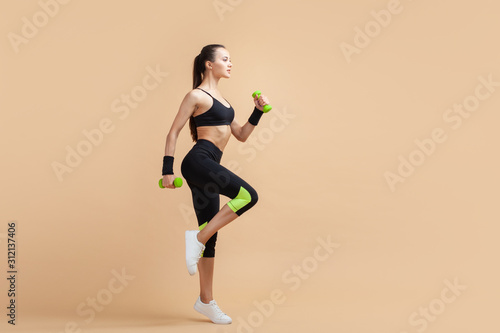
x=217 y=310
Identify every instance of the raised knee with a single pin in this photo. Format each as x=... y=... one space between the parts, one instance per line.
x=246 y=198
x=254 y=195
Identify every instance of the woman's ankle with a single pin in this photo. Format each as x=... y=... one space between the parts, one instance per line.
x=206 y=299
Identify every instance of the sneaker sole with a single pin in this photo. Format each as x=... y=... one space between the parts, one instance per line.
x=190 y=271
x=197 y=308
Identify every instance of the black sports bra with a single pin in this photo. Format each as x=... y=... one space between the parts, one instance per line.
x=217 y=115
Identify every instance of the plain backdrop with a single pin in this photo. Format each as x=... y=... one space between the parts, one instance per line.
x=378 y=207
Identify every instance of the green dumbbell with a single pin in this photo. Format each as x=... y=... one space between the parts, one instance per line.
x=177 y=182
x=267 y=107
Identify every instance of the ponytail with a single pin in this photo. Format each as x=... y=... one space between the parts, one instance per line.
x=198 y=69
x=206 y=54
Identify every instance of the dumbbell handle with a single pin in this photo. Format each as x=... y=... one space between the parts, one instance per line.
x=177 y=182
x=266 y=107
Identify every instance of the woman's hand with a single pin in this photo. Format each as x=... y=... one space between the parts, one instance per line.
x=260 y=102
x=168 y=181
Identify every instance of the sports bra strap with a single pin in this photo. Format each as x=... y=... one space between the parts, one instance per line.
x=206 y=92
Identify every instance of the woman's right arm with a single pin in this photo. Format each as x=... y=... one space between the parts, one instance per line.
x=186 y=110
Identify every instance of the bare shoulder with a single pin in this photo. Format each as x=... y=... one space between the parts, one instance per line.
x=197 y=98
x=192 y=98
x=195 y=95
x=200 y=99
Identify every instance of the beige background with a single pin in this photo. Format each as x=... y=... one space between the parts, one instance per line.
x=319 y=173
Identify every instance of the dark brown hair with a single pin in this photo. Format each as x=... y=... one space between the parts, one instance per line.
x=207 y=54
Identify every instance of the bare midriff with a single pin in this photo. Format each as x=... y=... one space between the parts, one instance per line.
x=218 y=135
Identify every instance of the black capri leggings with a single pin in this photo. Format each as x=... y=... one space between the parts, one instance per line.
x=207 y=179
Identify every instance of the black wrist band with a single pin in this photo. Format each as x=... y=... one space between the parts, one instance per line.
x=168 y=165
x=255 y=116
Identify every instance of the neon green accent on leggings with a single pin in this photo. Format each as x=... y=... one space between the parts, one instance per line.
x=241 y=200
x=201 y=227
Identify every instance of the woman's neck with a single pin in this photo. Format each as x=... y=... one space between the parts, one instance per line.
x=210 y=82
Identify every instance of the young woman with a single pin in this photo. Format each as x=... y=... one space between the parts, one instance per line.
x=211 y=120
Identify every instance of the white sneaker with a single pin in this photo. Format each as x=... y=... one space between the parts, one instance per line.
x=194 y=249
x=212 y=311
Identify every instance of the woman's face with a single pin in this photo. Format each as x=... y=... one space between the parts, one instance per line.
x=222 y=65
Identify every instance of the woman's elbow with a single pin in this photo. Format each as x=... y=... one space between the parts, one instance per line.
x=173 y=134
x=171 y=138
x=242 y=137
x=239 y=137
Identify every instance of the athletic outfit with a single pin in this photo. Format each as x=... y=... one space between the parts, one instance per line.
x=207 y=179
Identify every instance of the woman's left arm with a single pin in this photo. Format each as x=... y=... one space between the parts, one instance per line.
x=241 y=133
